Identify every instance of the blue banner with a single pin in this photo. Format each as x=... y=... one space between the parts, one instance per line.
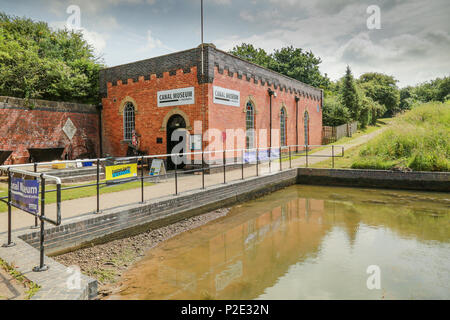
x=263 y=155
x=25 y=194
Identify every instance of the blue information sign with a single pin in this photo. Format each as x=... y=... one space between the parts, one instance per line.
x=25 y=194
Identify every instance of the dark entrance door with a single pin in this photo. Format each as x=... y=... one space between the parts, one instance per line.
x=176 y=132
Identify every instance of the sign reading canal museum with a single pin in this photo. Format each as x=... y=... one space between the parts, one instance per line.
x=176 y=97
x=226 y=96
x=25 y=194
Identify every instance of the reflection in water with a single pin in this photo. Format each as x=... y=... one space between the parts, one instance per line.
x=307 y=242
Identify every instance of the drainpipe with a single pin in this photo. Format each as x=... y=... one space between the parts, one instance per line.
x=297 y=99
x=99 y=110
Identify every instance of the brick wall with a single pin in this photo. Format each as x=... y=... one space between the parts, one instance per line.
x=223 y=117
x=39 y=123
x=140 y=81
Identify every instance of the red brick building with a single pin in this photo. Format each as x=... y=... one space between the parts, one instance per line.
x=156 y=96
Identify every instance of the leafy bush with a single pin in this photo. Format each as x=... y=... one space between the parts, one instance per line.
x=37 y=62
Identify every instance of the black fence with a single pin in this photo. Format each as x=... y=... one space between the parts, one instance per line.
x=279 y=159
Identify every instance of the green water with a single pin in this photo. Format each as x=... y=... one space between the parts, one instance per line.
x=307 y=242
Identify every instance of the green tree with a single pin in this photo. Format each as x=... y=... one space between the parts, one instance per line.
x=37 y=62
x=289 y=61
x=300 y=65
x=350 y=96
x=383 y=89
x=334 y=113
x=248 y=52
x=444 y=90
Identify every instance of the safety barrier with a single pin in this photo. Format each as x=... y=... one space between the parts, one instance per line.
x=207 y=160
x=22 y=194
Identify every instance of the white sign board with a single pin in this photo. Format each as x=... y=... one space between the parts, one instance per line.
x=227 y=97
x=176 y=97
x=157 y=168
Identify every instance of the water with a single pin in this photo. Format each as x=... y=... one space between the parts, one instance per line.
x=307 y=242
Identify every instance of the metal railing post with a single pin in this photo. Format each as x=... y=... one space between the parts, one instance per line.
x=98 y=185
x=290 y=159
x=176 y=180
x=36 y=225
x=270 y=159
x=42 y=266
x=281 y=167
x=10 y=243
x=224 y=168
x=257 y=160
x=332 y=156
x=142 y=179
x=306 y=156
x=242 y=165
x=203 y=169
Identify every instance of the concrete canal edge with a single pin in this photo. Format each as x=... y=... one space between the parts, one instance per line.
x=420 y=181
x=133 y=219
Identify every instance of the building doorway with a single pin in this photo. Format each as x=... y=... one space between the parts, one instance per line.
x=176 y=133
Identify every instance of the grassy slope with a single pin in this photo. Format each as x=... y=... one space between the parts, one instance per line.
x=419 y=140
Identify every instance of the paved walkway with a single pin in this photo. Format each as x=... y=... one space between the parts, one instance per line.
x=77 y=207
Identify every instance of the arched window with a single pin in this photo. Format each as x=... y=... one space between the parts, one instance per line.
x=283 y=126
x=128 y=121
x=306 y=126
x=250 y=126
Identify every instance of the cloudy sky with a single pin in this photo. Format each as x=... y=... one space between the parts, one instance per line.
x=413 y=43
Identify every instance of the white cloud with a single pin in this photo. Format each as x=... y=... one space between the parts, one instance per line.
x=413 y=44
x=153 y=43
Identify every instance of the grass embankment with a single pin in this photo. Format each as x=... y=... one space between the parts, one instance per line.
x=81 y=192
x=418 y=140
x=381 y=123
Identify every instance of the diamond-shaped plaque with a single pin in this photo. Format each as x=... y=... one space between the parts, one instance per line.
x=69 y=129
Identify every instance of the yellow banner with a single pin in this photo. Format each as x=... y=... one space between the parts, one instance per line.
x=121 y=171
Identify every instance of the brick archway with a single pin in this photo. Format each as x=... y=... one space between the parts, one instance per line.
x=174 y=112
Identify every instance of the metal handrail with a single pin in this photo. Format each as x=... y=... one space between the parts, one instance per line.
x=5 y=167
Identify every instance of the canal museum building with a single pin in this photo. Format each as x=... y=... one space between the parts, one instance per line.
x=149 y=99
